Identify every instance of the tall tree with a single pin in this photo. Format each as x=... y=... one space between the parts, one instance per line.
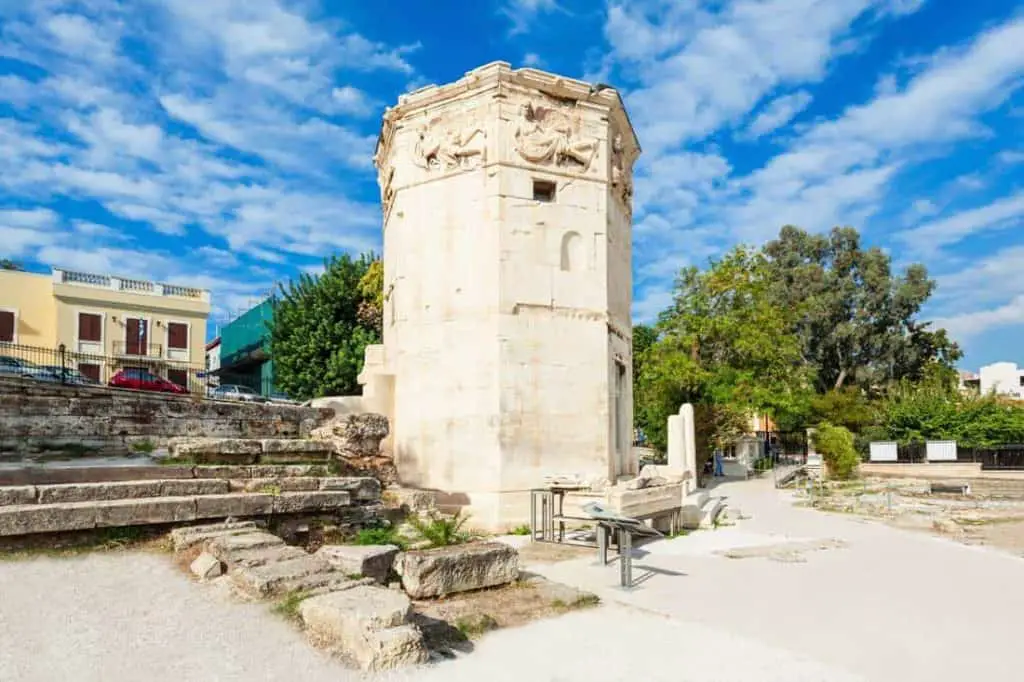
x=644 y=336
x=856 y=321
x=8 y=264
x=723 y=346
x=317 y=338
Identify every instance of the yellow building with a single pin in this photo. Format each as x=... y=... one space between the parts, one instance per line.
x=103 y=322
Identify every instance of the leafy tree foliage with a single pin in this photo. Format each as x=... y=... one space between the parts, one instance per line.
x=317 y=337
x=8 y=264
x=920 y=412
x=371 y=289
x=835 y=443
x=725 y=348
x=856 y=321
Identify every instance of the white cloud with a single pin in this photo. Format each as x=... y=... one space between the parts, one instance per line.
x=1010 y=157
x=699 y=70
x=973 y=324
x=532 y=59
x=350 y=100
x=778 y=113
x=1001 y=214
x=522 y=13
x=235 y=124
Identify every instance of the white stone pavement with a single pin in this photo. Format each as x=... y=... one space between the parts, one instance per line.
x=891 y=606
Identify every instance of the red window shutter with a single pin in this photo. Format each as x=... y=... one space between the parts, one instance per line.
x=177 y=335
x=89 y=327
x=6 y=326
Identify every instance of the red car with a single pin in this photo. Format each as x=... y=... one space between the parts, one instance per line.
x=141 y=380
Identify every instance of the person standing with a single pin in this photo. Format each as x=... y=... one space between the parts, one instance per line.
x=719 y=464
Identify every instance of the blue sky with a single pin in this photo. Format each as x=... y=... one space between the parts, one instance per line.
x=227 y=143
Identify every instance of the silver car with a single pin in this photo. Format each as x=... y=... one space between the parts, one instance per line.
x=236 y=392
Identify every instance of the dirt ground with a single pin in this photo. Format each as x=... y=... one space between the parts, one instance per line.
x=453 y=622
x=907 y=504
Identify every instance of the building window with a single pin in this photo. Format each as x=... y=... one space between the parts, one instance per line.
x=177 y=335
x=90 y=327
x=90 y=370
x=6 y=326
x=544 y=190
x=178 y=376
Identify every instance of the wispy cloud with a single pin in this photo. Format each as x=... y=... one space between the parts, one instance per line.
x=1004 y=213
x=778 y=113
x=522 y=13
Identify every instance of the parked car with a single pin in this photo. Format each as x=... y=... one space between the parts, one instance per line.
x=236 y=392
x=142 y=380
x=23 y=368
x=281 y=399
x=70 y=375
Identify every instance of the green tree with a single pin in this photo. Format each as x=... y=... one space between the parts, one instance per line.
x=371 y=289
x=723 y=346
x=8 y=264
x=835 y=444
x=856 y=321
x=317 y=338
x=644 y=336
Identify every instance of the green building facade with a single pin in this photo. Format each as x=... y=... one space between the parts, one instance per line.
x=245 y=349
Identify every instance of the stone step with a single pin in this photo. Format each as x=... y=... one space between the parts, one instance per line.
x=710 y=511
x=53 y=475
x=25 y=519
x=361 y=489
x=305 y=573
x=190 y=536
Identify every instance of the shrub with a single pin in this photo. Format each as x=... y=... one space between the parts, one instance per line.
x=441 y=531
x=835 y=444
x=383 y=535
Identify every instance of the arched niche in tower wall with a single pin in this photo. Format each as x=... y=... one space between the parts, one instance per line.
x=571 y=256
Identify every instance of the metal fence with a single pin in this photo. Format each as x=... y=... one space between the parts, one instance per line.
x=993 y=457
x=127 y=367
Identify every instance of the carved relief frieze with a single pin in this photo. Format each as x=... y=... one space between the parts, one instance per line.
x=550 y=134
x=442 y=149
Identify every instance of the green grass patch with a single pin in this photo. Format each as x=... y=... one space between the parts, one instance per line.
x=520 y=530
x=288 y=606
x=381 y=535
x=476 y=625
x=143 y=447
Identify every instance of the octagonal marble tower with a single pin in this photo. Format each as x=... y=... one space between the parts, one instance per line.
x=507 y=200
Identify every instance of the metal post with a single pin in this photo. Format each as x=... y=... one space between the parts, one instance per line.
x=63 y=366
x=533 y=516
x=626 y=558
x=602 y=544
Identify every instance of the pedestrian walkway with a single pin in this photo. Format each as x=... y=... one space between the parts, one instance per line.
x=881 y=603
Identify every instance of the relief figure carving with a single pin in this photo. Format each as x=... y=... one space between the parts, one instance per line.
x=548 y=135
x=450 y=149
x=622 y=177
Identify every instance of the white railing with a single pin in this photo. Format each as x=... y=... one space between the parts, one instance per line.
x=129 y=285
x=68 y=277
x=137 y=286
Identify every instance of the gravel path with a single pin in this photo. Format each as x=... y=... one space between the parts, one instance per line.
x=131 y=616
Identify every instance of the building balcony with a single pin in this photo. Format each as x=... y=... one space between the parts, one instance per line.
x=136 y=349
x=128 y=285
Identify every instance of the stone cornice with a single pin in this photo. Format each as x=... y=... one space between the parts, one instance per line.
x=491 y=77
